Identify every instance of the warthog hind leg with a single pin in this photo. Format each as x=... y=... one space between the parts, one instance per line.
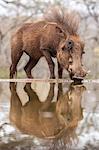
x=31 y=64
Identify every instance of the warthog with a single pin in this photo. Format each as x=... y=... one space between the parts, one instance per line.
x=54 y=36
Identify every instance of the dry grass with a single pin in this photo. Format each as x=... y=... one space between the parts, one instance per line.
x=4 y=73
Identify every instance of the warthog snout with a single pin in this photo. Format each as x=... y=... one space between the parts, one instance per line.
x=78 y=73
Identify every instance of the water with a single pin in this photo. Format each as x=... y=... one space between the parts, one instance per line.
x=42 y=115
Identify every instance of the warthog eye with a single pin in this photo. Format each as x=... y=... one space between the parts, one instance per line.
x=70 y=44
x=59 y=29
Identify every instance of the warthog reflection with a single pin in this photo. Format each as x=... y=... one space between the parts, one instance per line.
x=47 y=119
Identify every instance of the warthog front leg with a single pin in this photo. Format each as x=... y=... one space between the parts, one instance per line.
x=60 y=71
x=50 y=63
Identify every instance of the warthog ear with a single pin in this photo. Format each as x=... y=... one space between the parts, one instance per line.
x=58 y=29
x=61 y=31
x=62 y=45
x=64 y=48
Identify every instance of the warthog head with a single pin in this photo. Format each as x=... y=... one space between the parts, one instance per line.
x=69 y=55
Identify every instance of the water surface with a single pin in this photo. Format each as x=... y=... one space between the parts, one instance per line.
x=49 y=116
